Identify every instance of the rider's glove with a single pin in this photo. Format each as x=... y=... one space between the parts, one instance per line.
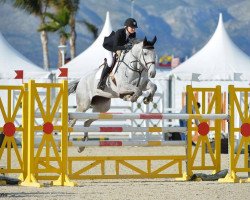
x=128 y=46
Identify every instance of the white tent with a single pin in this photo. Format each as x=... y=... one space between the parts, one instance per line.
x=219 y=62
x=11 y=60
x=220 y=59
x=92 y=57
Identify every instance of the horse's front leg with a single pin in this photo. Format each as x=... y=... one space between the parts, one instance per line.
x=151 y=87
x=135 y=92
x=136 y=95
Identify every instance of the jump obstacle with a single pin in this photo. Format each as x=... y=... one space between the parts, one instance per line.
x=36 y=165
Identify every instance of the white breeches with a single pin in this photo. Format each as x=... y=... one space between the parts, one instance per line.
x=109 y=56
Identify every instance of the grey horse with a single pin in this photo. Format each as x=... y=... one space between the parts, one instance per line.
x=130 y=78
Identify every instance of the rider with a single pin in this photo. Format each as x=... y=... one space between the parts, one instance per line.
x=114 y=43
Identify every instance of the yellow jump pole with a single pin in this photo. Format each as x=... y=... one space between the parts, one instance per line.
x=189 y=132
x=64 y=180
x=25 y=131
x=30 y=180
x=218 y=129
x=231 y=176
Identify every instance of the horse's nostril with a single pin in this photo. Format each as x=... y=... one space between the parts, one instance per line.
x=152 y=74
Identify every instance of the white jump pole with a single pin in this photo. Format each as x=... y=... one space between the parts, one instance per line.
x=109 y=116
x=78 y=115
x=139 y=143
x=78 y=128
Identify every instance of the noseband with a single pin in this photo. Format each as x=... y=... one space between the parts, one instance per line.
x=145 y=65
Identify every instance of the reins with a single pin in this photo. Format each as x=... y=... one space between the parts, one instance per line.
x=145 y=66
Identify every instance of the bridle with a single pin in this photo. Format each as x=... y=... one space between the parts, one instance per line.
x=145 y=66
x=138 y=60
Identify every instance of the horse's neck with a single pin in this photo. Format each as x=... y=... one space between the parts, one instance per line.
x=131 y=60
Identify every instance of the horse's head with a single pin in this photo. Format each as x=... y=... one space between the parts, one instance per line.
x=146 y=55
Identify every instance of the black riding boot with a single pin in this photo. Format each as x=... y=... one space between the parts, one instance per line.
x=105 y=72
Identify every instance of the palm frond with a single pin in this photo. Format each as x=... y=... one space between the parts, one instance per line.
x=57 y=22
x=51 y=16
x=30 y=6
x=91 y=28
x=61 y=17
x=49 y=27
x=71 y=5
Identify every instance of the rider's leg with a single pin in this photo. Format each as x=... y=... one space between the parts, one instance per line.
x=106 y=70
x=104 y=76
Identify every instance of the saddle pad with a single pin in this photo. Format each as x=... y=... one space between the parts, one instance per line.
x=99 y=72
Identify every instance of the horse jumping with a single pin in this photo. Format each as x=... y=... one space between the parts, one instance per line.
x=130 y=79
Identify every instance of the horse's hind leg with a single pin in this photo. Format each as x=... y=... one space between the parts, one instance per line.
x=73 y=122
x=86 y=134
x=80 y=108
x=100 y=104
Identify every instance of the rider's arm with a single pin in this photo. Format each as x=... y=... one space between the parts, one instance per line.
x=132 y=36
x=119 y=40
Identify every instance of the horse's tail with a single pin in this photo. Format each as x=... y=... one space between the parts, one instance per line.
x=72 y=86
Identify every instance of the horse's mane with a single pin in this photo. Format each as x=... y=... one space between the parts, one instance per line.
x=146 y=44
x=135 y=41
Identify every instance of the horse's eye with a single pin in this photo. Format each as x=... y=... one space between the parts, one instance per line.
x=145 y=53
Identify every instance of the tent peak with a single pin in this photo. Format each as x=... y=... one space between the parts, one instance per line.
x=220 y=18
x=220 y=26
x=107 y=15
x=107 y=21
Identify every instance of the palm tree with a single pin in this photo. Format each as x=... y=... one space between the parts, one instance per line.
x=37 y=8
x=72 y=6
x=91 y=28
x=58 y=22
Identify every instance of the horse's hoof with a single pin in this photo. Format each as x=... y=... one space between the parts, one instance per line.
x=134 y=98
x=145 y=101
x=80 y=149
x=126 y=97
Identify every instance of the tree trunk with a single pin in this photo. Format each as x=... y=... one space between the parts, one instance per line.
x=63 y=41
x=44 y=41
x=72 y=39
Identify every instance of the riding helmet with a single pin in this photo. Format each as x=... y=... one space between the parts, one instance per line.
x=130 y=22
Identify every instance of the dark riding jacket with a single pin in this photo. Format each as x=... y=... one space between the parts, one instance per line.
x=116 y=40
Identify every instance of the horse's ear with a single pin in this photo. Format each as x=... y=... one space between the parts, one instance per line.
x=154 y=40
x=145 y=41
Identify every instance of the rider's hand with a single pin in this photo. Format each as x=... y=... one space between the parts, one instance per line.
x=128 y=46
